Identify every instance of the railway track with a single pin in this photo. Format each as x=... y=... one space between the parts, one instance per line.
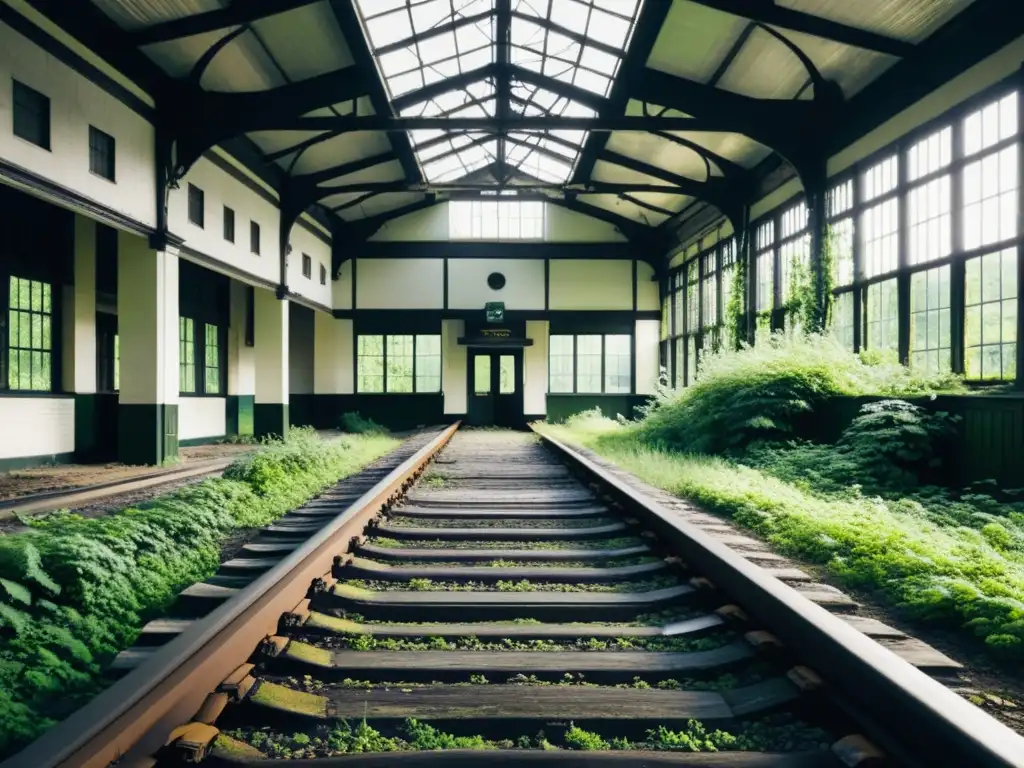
x=519 y=597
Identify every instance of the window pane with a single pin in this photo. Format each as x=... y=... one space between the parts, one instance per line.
x=211 y=380
x=990 y=199
x=929 y=212
x=618 y=362
x=765 y=281
x=399 y=364
x=560 y=364
x=482 y=374
x=504 y=220
x=990 y=323
x=29 y=335
x=680 y=359
x=795 y=262
x=186 y=355
x=880 y=179
x=841 y=233
x=588 y=364
x=692 y=300
x=929 y=320
x=506 y=374
x=842 y=319
x=881 y=226
x=428 y=363
x=883 y=316
x=370 y=364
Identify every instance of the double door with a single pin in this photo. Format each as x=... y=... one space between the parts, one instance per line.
x=496 y=388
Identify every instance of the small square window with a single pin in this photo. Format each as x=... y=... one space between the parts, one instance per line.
x=307 y=266
x=101 y=153
x=323 y=275
x=254 y=237
x=229 y=224
x=31 y=115
x=196 y=206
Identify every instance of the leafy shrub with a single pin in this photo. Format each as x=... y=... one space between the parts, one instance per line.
x=955 y=559
x=74 y=591
x=755 y=394
x=355 y=424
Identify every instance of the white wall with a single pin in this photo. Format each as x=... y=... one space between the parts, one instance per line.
x=305 y=242
x=565 y=226
x=200 y=417
x=75 y=104
x=341 y=289
x=333 y=359
x=453 y=366
x=591 y=284
x=36 y=426
x=535 y=369
x=646 y=287
x=429 y=224
x=468 y=289
x=220 y=189
x=399 y=283
x=648 y=365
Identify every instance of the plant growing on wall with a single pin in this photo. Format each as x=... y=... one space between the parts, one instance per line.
x=812 y=298
x=735 y=311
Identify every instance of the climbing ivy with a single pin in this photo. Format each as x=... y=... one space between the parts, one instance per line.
x=811 y=305
x=735 y=312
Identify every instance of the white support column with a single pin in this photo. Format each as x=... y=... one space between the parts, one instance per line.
x=79 y=337
x=241 y=365
x=453 y=367
x=535 y=369
x=648 y=365
x=270 y=414
x=147 y=309
x=333 y=361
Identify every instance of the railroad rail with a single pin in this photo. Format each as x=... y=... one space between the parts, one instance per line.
x=521 y=587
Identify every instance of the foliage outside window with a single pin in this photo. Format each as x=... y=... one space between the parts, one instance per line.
x=591 y=363
x=398 y=363
x=30 y=341
x=680 y=378
x=883 y=316
x=842 y=319
x=990 y=321
x=186 y=355
x=211 y=357
x=929 y=320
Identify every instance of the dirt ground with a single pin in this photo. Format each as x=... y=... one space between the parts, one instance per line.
x=63 y=477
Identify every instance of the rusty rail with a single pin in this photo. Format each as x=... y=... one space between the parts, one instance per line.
x=133 y=717
x=912 y=716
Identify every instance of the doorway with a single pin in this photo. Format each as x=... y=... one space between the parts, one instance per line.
x=496 y=388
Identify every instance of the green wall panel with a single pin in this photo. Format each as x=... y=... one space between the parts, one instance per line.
x=147 y=433
x=239 y=417
x=270 y=420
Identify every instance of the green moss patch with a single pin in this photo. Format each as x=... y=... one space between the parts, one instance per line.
x=289 y=700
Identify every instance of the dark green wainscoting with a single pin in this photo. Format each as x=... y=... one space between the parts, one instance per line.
x=270 y=420
x=239 y=417
x=397 y=412
x=561 y=407
x=989 y=444
x=28 y=462
x=302 y=411
x=147 y=433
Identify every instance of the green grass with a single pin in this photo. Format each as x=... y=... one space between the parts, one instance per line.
x=75 y=591
x=953 y=559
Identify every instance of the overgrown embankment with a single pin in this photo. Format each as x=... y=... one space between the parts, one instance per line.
x=75 y=591
x=861 y=506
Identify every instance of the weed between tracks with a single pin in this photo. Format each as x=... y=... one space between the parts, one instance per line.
x=75 y=591
x=401 y=521
x=522 y=585
x=654 y=619
x=620 y=562
x=617 y=543
x=777 y=734
x=426 y=643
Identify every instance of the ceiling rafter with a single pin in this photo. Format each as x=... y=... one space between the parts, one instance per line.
x=589 y=188
x=345 y=14
x=432 y=91
x=713 y=188
x=440 y=29
x=362 y=164
x=645 y=33
x=210 y=21
x=576 y=37
x=819 y=26
x=582 y=96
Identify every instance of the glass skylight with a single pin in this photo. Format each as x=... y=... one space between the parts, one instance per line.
x=421 y=42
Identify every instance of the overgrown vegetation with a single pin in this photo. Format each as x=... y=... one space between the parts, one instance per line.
x=356 y=642
x=74 y=591
x=356 y=424
x=779 y=734
x=518 y=585
x=868 y=507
